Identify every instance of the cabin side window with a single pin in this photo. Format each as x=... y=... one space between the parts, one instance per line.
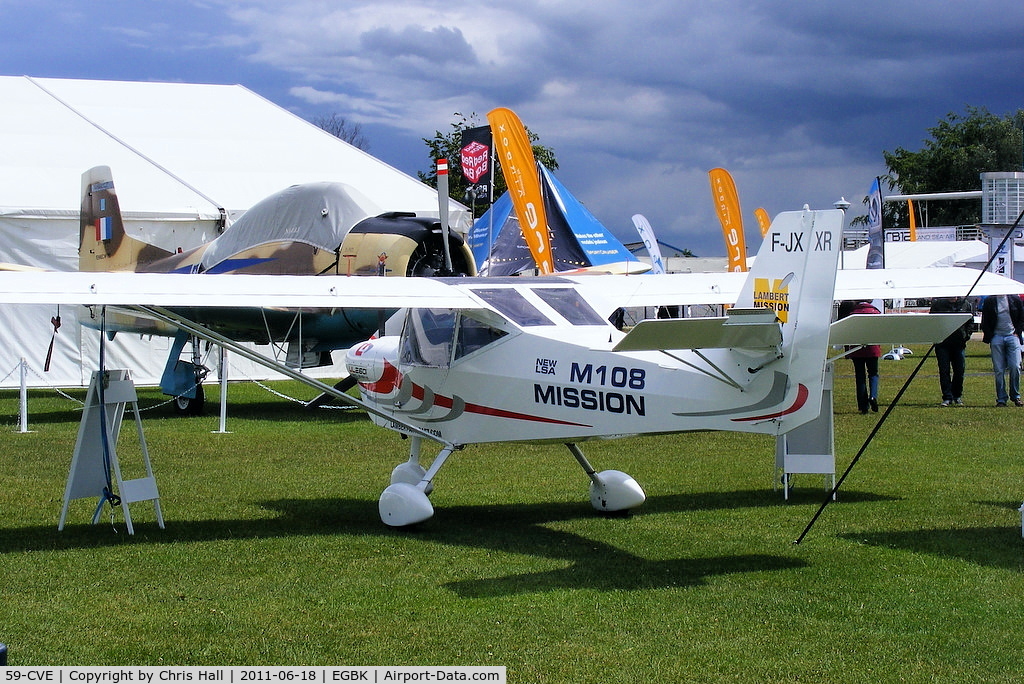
x=473 y=335
x=427 y=337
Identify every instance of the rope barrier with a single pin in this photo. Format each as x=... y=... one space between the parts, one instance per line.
x=281 y=395
x=11 y=372
x=81 y=403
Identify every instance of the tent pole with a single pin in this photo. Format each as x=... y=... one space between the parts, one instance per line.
x=223 y=373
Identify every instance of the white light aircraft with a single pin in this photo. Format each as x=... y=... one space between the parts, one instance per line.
x=535 y=359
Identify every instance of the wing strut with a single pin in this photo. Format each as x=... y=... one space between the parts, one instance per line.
x=205 y=333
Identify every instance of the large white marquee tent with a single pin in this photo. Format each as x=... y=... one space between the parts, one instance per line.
x=183 y=156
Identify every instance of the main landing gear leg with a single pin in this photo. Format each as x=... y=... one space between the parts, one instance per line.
x=610 y=490
x=404 y=501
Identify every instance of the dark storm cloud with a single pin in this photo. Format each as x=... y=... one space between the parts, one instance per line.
x=638 y=100
x=436 y=46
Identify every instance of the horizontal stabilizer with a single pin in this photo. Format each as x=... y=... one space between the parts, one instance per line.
x=741 y=329
x=895 y=328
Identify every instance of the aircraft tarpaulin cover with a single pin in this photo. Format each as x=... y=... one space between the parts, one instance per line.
x=577 y=238
x=318 y=214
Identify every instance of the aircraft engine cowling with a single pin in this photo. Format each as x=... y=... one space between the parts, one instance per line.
x=413 y=245
x=374 y=363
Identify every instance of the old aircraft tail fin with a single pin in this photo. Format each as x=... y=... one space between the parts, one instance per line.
x=103 y=244
x=794 y=275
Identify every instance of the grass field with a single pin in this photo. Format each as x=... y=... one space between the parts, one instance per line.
x=274 y=552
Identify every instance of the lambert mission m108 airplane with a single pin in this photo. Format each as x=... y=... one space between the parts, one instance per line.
x=310 y=229
x=535 y=359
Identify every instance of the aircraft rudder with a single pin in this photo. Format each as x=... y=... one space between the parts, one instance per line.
x=795 y=267
x=103 y=244
x=96 y=219
x=794 y=274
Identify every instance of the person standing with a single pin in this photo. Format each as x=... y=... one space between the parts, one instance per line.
x=1002 y=321
x=951 y=353
x=865 y=362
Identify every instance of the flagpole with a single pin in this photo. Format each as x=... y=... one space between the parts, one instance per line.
x=490 y=200
x=881 y=217
x=442 y=208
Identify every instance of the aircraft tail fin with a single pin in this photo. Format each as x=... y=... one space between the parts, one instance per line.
x=794 y=275
x=103 y=244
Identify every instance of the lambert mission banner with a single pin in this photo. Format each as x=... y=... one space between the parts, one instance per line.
x=515 y=153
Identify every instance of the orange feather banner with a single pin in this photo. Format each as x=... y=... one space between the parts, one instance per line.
x=764 y=222
x=727 y=204
x=515 y=153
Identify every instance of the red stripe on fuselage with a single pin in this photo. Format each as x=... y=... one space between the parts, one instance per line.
x=801 y=398
x=502 y=413
x=391 y=379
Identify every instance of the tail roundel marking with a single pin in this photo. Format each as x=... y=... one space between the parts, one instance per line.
x=104 y=228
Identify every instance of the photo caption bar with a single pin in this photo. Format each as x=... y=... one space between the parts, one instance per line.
x=257 y=675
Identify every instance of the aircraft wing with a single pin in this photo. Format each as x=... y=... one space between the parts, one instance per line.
x=610 y=292
x=911 y=328
x=177 y=290
x=605 y=292
x=917 y=283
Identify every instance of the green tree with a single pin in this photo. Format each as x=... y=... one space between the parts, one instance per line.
x=961 y=147
x=447 y=146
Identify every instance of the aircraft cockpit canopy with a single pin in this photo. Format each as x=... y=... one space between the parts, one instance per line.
x=438 y=337
x=430 y=336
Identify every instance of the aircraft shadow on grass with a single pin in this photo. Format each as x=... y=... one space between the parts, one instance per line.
x=512 y=528
x=590 y=563
x=993 y=547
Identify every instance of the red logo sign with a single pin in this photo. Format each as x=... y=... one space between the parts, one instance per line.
x=475 y=160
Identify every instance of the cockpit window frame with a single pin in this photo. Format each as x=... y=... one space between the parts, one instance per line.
x=413 y=351
x=511 y=303
x=473 y=334
x=568 y=304
x=438 y=337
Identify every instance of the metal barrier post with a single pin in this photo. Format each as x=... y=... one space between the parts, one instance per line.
x=23 y=398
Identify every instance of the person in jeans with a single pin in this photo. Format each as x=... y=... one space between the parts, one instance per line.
x=1002 y=321
x=865 y=360
x=951 y=353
